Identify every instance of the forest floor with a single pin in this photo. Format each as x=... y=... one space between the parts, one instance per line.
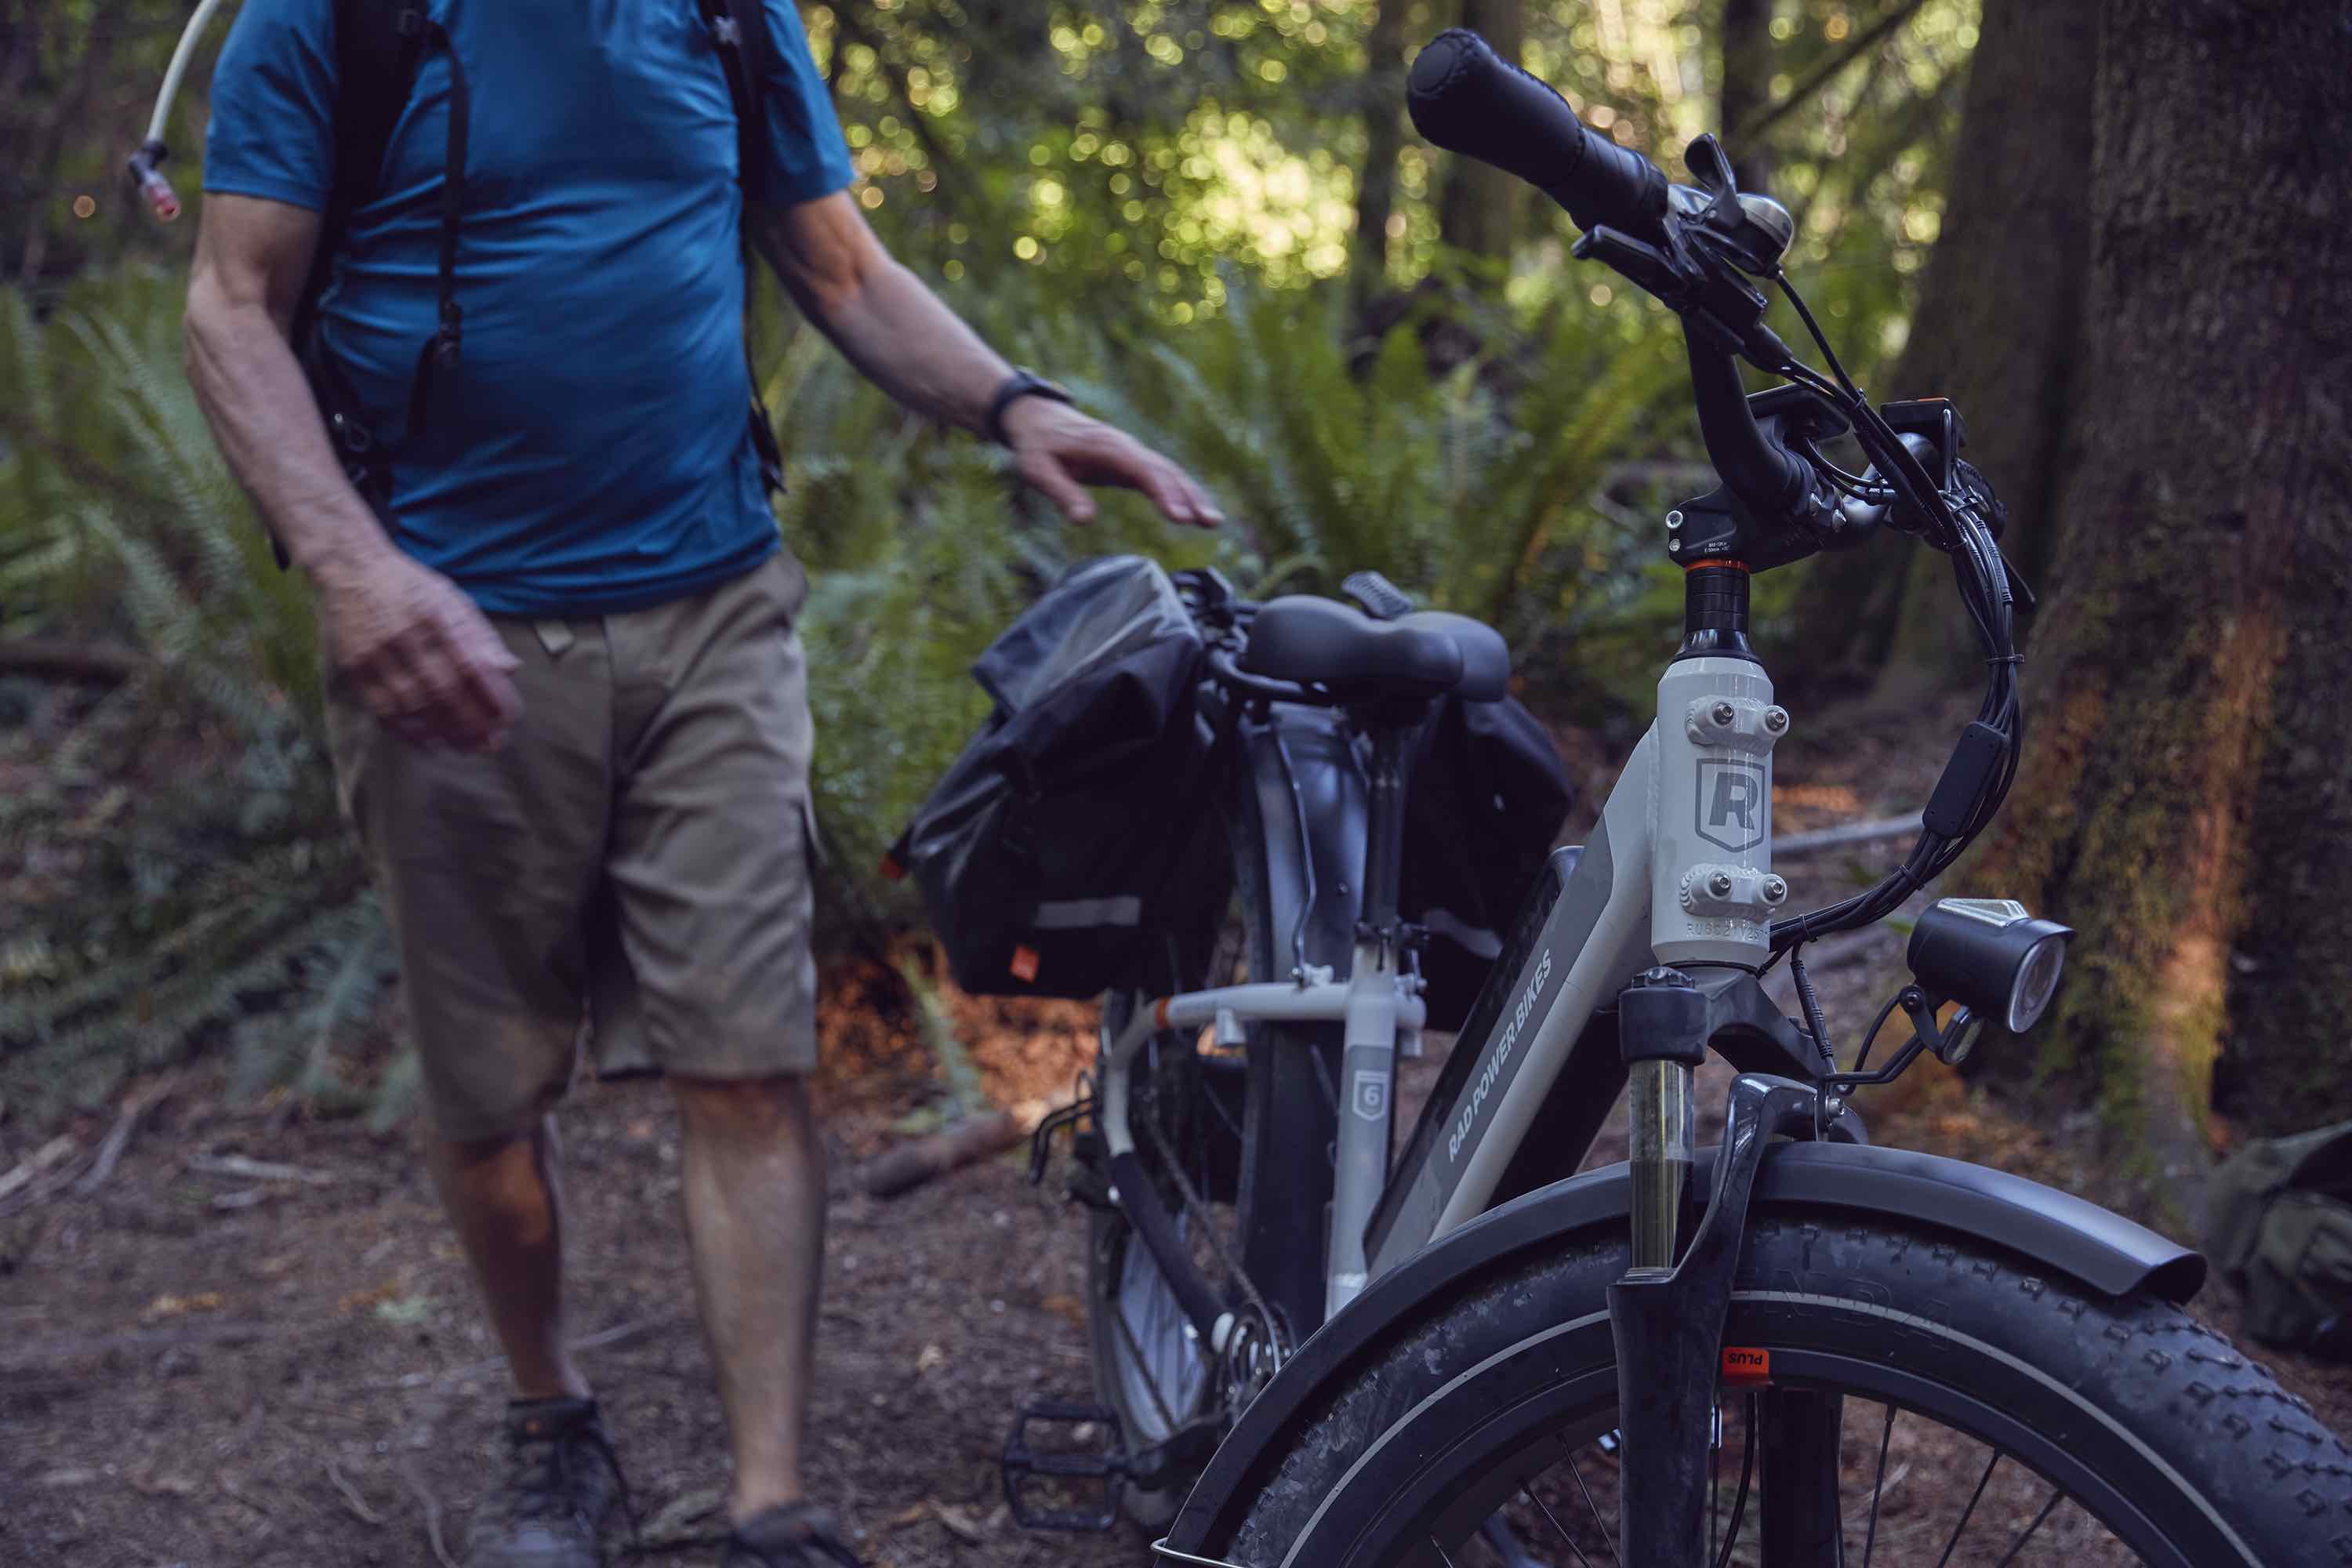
x=252 y=1342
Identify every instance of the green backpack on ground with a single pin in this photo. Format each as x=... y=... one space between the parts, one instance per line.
x=2279 y=1224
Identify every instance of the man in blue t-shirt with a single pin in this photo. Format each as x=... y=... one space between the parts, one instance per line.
x=566 y=699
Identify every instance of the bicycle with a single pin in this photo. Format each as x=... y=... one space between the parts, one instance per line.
x=1490 y=1341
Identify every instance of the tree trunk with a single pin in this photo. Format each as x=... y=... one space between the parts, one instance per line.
x=1997 y=330
x=1747 y=87
x=1383 y=101
x=2184 y=804
x=1478 y=213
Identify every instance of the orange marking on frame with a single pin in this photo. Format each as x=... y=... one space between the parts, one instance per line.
x=1744 y=1365
x=1723 y=562
x=1024 y=964
x=1160 y=1011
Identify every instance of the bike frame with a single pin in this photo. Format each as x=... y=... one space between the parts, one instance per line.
x=1677 y=872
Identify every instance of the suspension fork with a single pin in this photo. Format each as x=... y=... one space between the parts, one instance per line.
x=1668 y=1320
x=1712 y=896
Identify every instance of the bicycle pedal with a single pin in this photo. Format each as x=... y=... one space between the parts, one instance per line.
x=1072 y=1485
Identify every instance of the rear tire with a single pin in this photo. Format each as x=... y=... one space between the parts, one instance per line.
x=2188 y=1453
x=1259 y=1157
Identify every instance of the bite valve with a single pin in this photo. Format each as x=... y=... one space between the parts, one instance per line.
x=147 y=173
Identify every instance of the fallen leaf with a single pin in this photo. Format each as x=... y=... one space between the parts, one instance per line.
x=405 y=1311
x=375 y=1296
x=1066 y=1307
x=164 y=1306
x=931 y=1359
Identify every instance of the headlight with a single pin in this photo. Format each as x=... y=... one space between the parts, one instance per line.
x=1990 y=955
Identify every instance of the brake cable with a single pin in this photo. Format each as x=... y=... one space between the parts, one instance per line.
x=1952 y=524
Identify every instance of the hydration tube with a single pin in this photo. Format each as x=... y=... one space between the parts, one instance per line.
x=146 y=165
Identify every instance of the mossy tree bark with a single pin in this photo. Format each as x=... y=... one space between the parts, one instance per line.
x=1478 y=211
x=2184 y=803
x=1747 y=87
x=1997 y=330
x=1383 y=101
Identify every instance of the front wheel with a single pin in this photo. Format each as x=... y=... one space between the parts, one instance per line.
x=1930 y=1402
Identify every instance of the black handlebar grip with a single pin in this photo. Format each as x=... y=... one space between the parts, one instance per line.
x=1466 y=98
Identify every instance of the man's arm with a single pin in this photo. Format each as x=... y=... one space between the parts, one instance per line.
x=424 y=659
x=899 y=334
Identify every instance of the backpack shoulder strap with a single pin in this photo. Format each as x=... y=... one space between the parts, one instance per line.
x=741 y=28
x=378 y=46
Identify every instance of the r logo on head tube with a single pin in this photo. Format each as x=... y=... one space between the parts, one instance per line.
x=1730 y=802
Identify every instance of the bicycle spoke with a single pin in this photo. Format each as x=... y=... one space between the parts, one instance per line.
x=1442 y=1557
x=1749 y=1414
x=1142 y=1367
x=1529 y=1493
x=1974 y=1497
x=1598 y=1523
x=1715 y=1480
x=1877 y=1491
x=2056 y=1496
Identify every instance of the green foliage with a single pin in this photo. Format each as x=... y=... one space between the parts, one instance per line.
x=1159 y=214
x=174 y=850
x=922 y=550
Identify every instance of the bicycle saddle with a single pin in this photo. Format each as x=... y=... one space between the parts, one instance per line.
x=1300 y=638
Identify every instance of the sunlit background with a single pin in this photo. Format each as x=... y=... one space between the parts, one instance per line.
x=1211 y=218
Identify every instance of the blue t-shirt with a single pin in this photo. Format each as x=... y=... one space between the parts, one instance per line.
x=590 y=451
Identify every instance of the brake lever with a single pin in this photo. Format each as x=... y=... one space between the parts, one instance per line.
x=1639 y=263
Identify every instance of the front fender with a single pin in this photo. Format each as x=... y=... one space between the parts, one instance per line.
x=2059 y=1233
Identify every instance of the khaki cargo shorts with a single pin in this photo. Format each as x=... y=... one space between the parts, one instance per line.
x=626 y=880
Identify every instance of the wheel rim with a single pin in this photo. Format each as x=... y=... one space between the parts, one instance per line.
x=1160 y=1372
x=2035 y=1502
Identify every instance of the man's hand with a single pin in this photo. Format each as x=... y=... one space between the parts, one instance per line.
x=897 y=332
x=422 y=657
x=1061 y=451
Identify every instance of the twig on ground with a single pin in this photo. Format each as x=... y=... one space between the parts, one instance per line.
x=909 y=1165
x=351 y=1499
x=432 y=1507
x=255 y=1170
x=49 y=1171
x=135 y=1105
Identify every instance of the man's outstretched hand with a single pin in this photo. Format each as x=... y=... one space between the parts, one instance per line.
x=1062 y=451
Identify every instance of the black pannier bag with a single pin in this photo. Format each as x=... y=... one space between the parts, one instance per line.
x=1065 y=841
x=1485 y=794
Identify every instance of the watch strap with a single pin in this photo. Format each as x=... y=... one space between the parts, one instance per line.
x=1022 y=383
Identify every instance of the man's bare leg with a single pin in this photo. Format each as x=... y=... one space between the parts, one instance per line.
x=506 y=1199
x=754 y=1194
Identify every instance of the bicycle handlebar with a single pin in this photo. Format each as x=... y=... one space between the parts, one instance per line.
x=1763 y=472
x=1466 y=98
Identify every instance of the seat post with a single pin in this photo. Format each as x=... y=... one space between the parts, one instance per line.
x=1384 y=849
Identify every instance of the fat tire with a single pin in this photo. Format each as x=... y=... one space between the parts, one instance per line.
x=2126 y=1381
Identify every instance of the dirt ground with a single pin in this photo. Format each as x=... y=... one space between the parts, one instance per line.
x=252 y=1343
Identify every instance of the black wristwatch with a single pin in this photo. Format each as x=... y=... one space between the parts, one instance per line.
x=1021 y=384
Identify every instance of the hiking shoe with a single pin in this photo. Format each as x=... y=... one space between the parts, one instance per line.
x=796 y=1535
x=563 y=1479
